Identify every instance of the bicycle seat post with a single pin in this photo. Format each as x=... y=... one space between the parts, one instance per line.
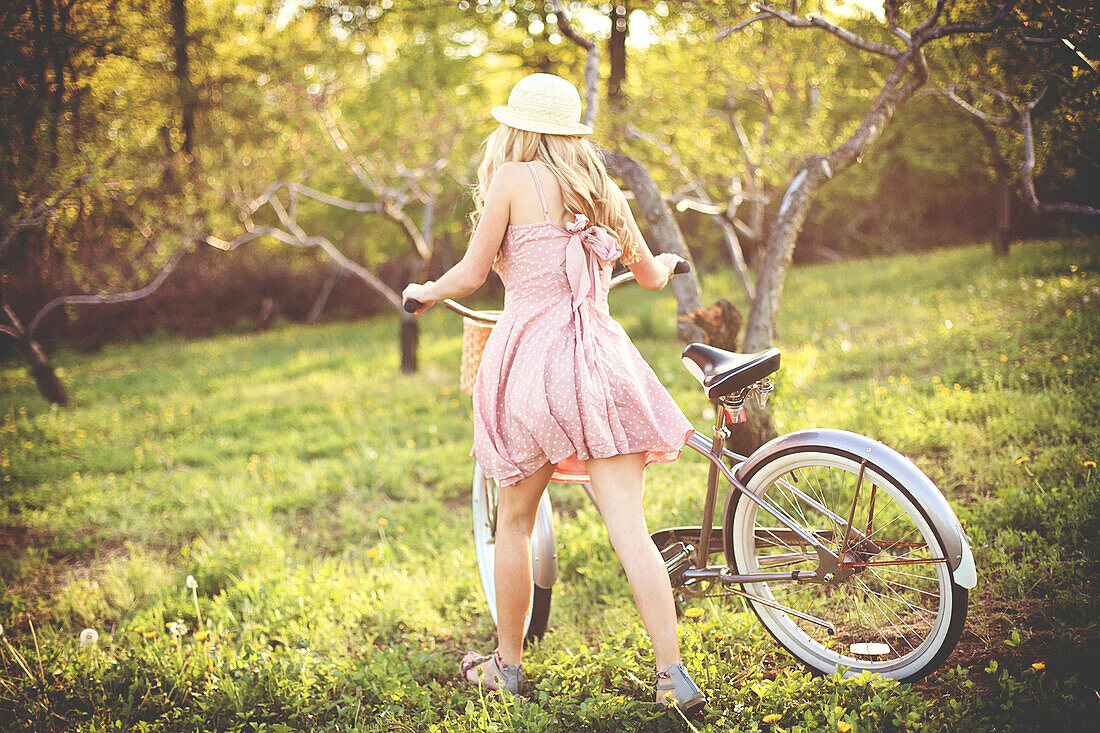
x=721 y=432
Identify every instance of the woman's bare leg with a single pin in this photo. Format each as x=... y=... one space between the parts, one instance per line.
x=619 y=483
x=517 y=508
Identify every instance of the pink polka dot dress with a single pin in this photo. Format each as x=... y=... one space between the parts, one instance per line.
x=559 y=379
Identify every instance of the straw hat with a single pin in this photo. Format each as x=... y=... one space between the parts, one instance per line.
x=543 y=103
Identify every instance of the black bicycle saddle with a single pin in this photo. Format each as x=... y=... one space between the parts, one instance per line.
x=722 y=372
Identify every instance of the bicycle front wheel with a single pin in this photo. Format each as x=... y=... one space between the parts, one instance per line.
x=891 y=600
x=484 y=503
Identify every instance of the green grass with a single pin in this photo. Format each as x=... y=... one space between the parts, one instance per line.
x=320 y=499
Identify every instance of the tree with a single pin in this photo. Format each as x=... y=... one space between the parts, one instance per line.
x=665 y=231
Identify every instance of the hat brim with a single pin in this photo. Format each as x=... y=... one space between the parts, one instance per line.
x=506 y=116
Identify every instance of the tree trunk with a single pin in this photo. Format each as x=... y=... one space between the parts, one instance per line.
x=666 y=234
x=813 y=173
x=616 y=47
x=322 y=297
x=1002 y=234
x=45 y=378
x=410 y=333
x=180 y=42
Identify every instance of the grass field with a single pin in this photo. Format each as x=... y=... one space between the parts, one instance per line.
x=319 y=499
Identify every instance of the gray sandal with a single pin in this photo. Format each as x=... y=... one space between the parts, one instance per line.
x=511 y=674
x=681 y=690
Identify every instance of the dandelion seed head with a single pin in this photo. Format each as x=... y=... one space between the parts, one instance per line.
x=89 y=636
x=191 y=582
x=177 y=628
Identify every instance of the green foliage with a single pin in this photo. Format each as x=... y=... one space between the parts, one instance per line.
x=320 y=500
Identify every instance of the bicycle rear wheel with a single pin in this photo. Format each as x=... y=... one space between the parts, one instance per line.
x=893 y=602
x=484 y=502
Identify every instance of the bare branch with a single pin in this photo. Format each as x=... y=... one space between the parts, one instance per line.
x=925 y=32
x=705 y=206
x=742 y=25
x=102 y=299
x=891 y=9
x=291 y=233
x=813 y=21
x=931 y=19
x=592 y=63
x=1027 y=168
x=1008 y=119
x=44 y=211
x=354 y=163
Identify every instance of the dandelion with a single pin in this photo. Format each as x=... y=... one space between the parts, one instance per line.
x=843 y=727
x=1038 y=666
x=201 y=635
x=383 y=521
x=1089 y=464
x=177 y=628
x=193 y=585
x=149 y=634
x=694 y=612
x=372 y=552
x=89 y=636
x=772 y=718
x=1022 y=460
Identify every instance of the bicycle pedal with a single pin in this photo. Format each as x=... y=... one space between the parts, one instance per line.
x=677 y=557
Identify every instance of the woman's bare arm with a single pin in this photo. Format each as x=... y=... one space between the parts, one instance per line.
x=651 y=272
x=470 y=272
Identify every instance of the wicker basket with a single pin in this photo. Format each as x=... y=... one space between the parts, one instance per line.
x=474 y=336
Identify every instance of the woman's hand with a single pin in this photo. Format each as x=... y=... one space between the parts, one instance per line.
x=669 y=260
x=417 y=291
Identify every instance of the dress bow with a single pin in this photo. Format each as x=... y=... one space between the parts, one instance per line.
x=599 y=243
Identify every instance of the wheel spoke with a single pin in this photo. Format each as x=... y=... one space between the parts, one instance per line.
x=826 y=495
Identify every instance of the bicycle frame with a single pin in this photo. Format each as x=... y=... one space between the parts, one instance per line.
x=714 y=451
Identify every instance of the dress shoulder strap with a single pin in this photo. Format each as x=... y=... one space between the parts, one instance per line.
x=535 y=175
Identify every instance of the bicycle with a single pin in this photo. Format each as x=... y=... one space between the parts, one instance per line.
x=847 y=553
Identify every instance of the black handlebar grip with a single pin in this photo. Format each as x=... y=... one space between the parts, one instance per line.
x=681 y=267
x=412 y=305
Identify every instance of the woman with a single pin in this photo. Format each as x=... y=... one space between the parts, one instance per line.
x=560 y=386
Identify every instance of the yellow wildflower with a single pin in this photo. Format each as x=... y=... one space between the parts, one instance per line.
x=383 y=521
x=1022 y=460
x=771 y=718
x=843 y=727
x=201 y=635
x=1038 y=666
x=372 y=552
x=1089 y=464
x=693 y=612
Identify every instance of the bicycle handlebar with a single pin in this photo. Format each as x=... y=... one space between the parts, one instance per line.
x=412 y=305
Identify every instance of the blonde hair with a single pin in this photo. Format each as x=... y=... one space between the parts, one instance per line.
x=585 y=186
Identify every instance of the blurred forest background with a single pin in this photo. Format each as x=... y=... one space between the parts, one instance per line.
x=134 y=131
x=268 y=531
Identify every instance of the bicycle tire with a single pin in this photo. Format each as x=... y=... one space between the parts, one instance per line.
x=927 y=649
x=483 y=504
